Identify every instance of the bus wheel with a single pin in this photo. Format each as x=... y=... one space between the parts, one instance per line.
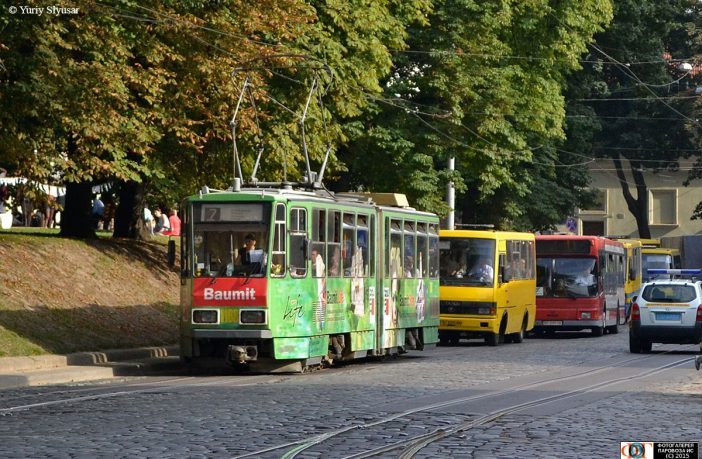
x=493 y=339
x=614 y=329
x=599 y=331
x=519 y=336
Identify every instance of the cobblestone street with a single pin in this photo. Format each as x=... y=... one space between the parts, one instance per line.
x=239 y=415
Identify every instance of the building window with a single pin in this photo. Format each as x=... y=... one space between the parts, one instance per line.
x=663 y=207
x=600 y=204
x=593 y=228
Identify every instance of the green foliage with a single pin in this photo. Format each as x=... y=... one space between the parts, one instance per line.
x=629 y=84
x=485 y=82
x=144 y=91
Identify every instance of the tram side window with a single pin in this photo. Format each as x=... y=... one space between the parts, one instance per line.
x=348 y=245
x=394 y=251
x=298 y=242
x=422 y=250
x=334 y=244
x=410 y=266
x=433 y=251
x=185 y=245
x=318 y=246
x=278 y=253
x=372 y=249
x=362 y=238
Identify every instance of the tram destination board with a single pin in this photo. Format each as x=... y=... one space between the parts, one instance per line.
x=659 y=450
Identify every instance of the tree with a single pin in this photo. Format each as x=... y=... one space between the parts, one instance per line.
x=84 y=104
x=482 y=82
x=628 y=87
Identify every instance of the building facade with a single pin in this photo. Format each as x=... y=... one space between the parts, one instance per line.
x=670 y=203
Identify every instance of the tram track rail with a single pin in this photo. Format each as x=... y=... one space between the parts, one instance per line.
x=138 y=387
x=415 y=444
x=174 y=383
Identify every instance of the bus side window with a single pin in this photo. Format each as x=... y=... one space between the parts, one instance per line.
x=503 y=275
x=278 y=252
x=298 y=242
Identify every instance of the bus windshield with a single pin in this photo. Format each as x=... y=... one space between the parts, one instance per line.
x=566 y=277
x=468 y=262
x=230 y=239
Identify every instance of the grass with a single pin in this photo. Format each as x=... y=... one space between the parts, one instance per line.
x=60 y=295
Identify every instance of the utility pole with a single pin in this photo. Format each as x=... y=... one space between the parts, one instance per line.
x=451 y=196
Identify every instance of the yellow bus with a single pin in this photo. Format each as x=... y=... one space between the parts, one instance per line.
x=653 y=256
x=634 y=273
x=487 y=285
x=658 y=258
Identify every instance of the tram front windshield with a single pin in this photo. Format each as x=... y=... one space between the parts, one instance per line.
x=230 y=239
x=566 y=277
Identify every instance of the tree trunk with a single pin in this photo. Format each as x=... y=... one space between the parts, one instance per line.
x=129 y=218
x=76 y=218
x=637 y=206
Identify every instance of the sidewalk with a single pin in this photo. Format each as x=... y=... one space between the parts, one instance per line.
x=87 y=366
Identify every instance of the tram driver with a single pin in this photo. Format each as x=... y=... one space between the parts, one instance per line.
x=251 y=257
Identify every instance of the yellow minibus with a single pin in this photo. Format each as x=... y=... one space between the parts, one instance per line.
x=487 y=285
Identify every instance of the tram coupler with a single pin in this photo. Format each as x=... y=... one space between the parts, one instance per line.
x=241 y=354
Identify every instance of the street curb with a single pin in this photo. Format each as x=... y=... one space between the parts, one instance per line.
x=12 y=364
x=120 y=355
x=44 y=362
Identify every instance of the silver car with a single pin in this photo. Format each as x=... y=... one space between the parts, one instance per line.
x=666 y=311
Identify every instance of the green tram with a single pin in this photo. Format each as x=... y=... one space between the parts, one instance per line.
x=286 y=280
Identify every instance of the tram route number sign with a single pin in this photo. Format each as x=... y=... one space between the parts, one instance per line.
x=659 y=450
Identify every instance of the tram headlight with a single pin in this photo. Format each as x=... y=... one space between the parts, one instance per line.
x=252 y=316
x=205 y=316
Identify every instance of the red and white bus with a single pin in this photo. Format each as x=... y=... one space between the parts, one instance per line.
x=579 y=283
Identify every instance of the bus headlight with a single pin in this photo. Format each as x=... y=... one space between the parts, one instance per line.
x=252 y=316
x=585 y=315
x=205 y=316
